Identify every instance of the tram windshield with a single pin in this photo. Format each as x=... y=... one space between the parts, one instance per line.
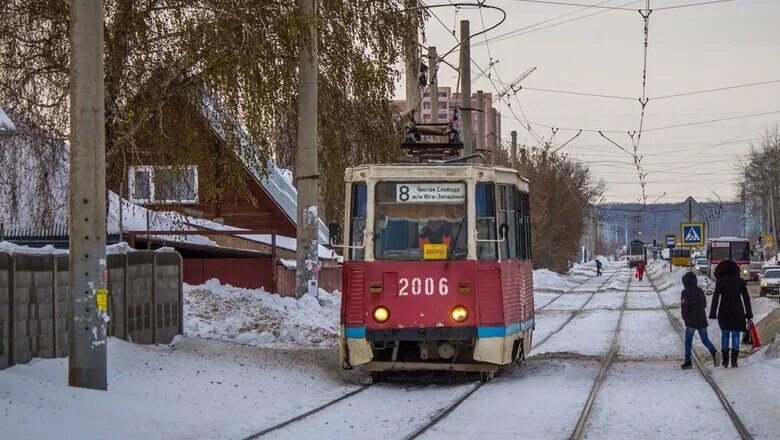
x=740 y=251
x=420 y=221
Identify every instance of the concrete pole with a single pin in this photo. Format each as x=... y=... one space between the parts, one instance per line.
x=773 y=218
x=465 y=87
x=412 y=63
x=513 y=151
x=87 y=225
x=492 y=137
x=434 y=83
x=306 y=161
x=481 y=123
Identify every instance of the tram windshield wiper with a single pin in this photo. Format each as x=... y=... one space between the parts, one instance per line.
x=455 y=240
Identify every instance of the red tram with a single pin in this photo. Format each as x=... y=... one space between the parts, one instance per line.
x=437 y=268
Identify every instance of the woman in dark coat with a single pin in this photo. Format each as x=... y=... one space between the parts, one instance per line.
x=731 y=305
x=693 y=305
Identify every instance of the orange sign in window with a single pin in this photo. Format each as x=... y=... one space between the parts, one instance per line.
x=434 y=251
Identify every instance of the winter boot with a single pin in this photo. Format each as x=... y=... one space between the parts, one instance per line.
x=734 y=357
x=715 y=359
x=687 y=365
x=725 y=354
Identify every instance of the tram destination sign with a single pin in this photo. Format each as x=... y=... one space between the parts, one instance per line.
x=430 y=192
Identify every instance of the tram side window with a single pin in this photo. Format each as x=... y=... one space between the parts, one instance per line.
x=358 y=220
x=486 y=220
x=523 y=221
x=507 y=214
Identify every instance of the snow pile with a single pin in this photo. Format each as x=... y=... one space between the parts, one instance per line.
x=11 y=248
x=256 y=317
x=547 y=280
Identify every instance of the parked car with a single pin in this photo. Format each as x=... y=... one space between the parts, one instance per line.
x=770 y=282
x=754 y=271
x=702 y=264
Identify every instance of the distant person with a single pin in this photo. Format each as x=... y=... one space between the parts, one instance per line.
x=598 y=267
x=640 y=270
x=693 y=305
x=731 y=306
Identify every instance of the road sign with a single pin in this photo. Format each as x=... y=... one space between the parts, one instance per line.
x=692 y=234
x=671 y=240
x=769 y=240
x=690 y=208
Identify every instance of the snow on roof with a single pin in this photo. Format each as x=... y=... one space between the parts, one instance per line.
x=134 y=218
x=278 y=182
x=6 y=125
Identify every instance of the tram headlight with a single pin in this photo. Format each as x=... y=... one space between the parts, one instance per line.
x=381 y=314
x=459 y=313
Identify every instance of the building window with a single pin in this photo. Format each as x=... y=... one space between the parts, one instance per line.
x=426 y=105
x=163 y=184
x=443 y=94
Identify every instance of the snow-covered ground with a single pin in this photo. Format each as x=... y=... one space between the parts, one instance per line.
x=251 y=359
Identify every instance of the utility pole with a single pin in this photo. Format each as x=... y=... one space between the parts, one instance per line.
x=481 y=123
x=433 y=79
x=306 y=161
x=87 y=224
x=412 y=62
x=513 y=151
x=465 y=87
x=773 y=218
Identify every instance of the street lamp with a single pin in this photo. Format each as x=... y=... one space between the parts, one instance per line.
x=7 y=127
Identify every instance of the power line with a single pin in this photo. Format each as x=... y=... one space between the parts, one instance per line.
x=666 y=8
x=713 y=120
x=739 y=86
x=585 y=6
x=569 y=92
x=528 y=30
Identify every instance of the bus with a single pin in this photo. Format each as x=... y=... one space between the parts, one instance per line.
x=729 y=248
x=680 y=257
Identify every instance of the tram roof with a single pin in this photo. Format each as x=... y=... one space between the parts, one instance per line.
x=418 y=165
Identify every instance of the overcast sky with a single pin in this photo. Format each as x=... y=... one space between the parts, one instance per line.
x=690 y=49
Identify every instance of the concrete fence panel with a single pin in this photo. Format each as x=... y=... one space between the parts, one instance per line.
x=5 y=310
x=145 y=302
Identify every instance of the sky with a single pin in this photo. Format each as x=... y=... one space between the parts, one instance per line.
x=689 y=49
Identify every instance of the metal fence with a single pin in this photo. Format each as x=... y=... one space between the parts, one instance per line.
x=145 y=292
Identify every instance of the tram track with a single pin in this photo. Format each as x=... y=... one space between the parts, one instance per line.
x=563 y=293
x=606 y=363
x=447 y=410
x=739 y=426
x=575 y=313
x=307 y=414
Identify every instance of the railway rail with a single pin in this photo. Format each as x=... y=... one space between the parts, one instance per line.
x=739 y=426
x=575 y=313
x=606 y=363
x=300 y=417
x=445 y=411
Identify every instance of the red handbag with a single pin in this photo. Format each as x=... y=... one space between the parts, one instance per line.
x=755 y=338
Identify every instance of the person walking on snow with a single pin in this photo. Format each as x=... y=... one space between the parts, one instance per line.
x=693 y=305
x=640 y=270
x=731 y=306
x=598 y=267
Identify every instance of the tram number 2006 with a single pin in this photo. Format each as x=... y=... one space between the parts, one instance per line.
x=422 y=285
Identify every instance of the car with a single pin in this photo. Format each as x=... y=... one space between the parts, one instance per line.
x=754 y=271
x=702 y=264
x=770 y=282
x=766 y=268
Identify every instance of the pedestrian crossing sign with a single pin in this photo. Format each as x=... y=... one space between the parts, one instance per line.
x=692 y=234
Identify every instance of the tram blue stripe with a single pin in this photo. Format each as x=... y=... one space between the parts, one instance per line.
x=355 y=332
x=502 y=331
